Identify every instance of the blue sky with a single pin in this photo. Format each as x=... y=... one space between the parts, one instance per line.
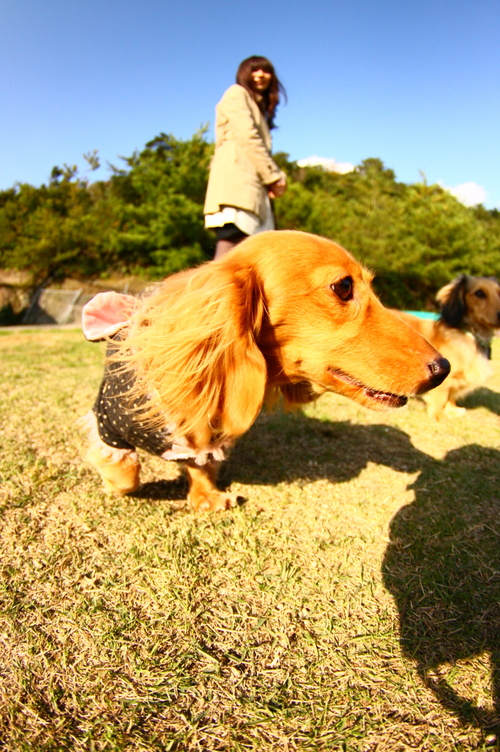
x=415 y=83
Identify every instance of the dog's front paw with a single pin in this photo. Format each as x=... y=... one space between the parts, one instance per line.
x=212 y=501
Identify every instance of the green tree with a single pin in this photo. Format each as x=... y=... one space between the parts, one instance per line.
x=415 y=237
x=159 y=200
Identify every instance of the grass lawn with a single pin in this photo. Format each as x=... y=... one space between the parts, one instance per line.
x=352 y=602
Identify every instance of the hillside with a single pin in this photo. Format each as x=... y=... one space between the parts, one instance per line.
x=146 y=221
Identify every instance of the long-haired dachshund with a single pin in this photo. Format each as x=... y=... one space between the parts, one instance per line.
x=190 y=366
x=470 y=313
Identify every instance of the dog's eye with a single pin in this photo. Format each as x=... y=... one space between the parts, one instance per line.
x=344 y=288
x=480 y=293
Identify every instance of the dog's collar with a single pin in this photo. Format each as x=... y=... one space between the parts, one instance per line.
x=483 y=344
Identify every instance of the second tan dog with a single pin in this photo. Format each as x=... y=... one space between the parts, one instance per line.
x=470 y=313
x=191 y=365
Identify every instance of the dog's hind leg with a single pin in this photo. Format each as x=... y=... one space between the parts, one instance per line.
x=119 y=468
x=203 y=493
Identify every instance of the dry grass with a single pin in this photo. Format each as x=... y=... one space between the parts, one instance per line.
x=352 y=603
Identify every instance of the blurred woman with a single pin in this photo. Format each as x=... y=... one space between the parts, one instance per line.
x=243 y=176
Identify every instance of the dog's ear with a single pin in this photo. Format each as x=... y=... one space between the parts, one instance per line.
x=193 y=346
x=244 y=367
x=451 y=299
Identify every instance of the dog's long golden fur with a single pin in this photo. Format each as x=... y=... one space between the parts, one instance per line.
x=284 y=312
x=470 y=314
x=201 y=327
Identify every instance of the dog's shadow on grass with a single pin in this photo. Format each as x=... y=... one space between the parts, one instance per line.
x=442 y=567
x=175 y=489
x=482 y=397
x=296 y=448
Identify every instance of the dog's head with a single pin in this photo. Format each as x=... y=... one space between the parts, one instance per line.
x=473 y=303
x=324 y=329
x=284 y=311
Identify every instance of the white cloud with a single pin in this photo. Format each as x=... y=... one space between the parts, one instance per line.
x=470 y=194
x=329 y=164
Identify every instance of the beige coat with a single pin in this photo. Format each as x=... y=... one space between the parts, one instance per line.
x=242 y=164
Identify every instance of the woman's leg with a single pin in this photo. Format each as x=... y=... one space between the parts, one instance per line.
x=227 y=237
x=223 y=246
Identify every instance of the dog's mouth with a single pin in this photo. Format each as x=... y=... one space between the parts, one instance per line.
x=386 y=399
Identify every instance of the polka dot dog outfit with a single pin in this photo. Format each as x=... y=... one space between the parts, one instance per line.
x=120 y=426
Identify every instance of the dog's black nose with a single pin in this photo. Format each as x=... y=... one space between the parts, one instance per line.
x=439 y=370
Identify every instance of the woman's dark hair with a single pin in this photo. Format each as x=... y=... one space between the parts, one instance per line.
x=268 y=100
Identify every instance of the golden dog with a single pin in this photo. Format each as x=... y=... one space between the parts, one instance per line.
x=470 y=313
x=190 y=366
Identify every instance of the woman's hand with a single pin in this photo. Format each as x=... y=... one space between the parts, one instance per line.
x=277 y=188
